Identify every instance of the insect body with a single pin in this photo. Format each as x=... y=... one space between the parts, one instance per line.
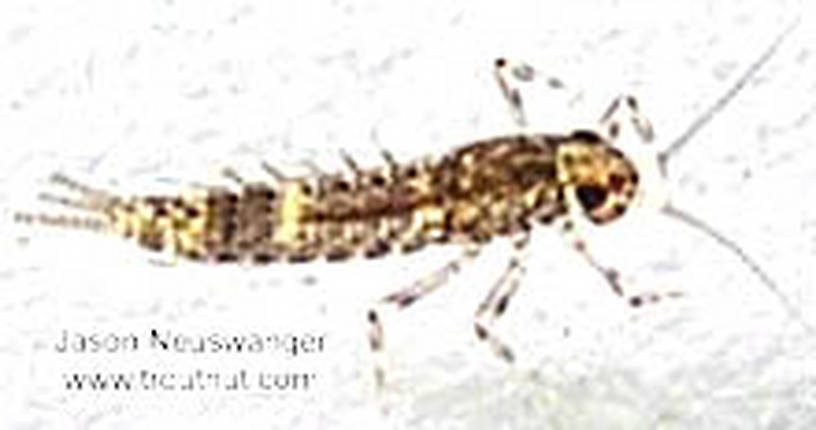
x=486 y=189
x=483 y=190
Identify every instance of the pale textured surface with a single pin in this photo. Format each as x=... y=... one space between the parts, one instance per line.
x=147 y=94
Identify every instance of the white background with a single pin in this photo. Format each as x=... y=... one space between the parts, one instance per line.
x=139 y=96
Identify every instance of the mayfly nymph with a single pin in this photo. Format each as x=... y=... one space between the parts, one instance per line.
x=491 y=188
x=495 y=187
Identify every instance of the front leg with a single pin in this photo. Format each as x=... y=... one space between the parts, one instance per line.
x=624 y=112
x=571 y=230
x=626 y=107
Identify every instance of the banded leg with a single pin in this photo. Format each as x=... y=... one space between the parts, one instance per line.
x=611 y=121
x=624 y=112
x=508 y=75
x=408 y=296
x=570 y=232
x=498 y=298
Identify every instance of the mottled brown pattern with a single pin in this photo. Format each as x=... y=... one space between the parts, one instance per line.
x=489 y=188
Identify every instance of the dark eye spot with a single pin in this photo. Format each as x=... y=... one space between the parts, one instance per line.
x=591 y=196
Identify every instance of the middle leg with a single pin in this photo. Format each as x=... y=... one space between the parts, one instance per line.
x=498 y=298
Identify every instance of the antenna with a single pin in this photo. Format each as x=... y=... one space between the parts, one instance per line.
x=703 y=120
x=699 y=225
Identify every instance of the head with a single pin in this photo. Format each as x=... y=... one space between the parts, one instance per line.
x=596 y=176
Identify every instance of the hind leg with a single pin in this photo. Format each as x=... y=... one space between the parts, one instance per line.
x=406 y=297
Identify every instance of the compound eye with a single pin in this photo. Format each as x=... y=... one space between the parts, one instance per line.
x=591 y=196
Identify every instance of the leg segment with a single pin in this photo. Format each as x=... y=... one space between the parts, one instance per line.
x=507 y=75
x=624 y=110
x=611 y=121
x=503 y=71
x=408 y=296
x=498 y=298
x=570 y=232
